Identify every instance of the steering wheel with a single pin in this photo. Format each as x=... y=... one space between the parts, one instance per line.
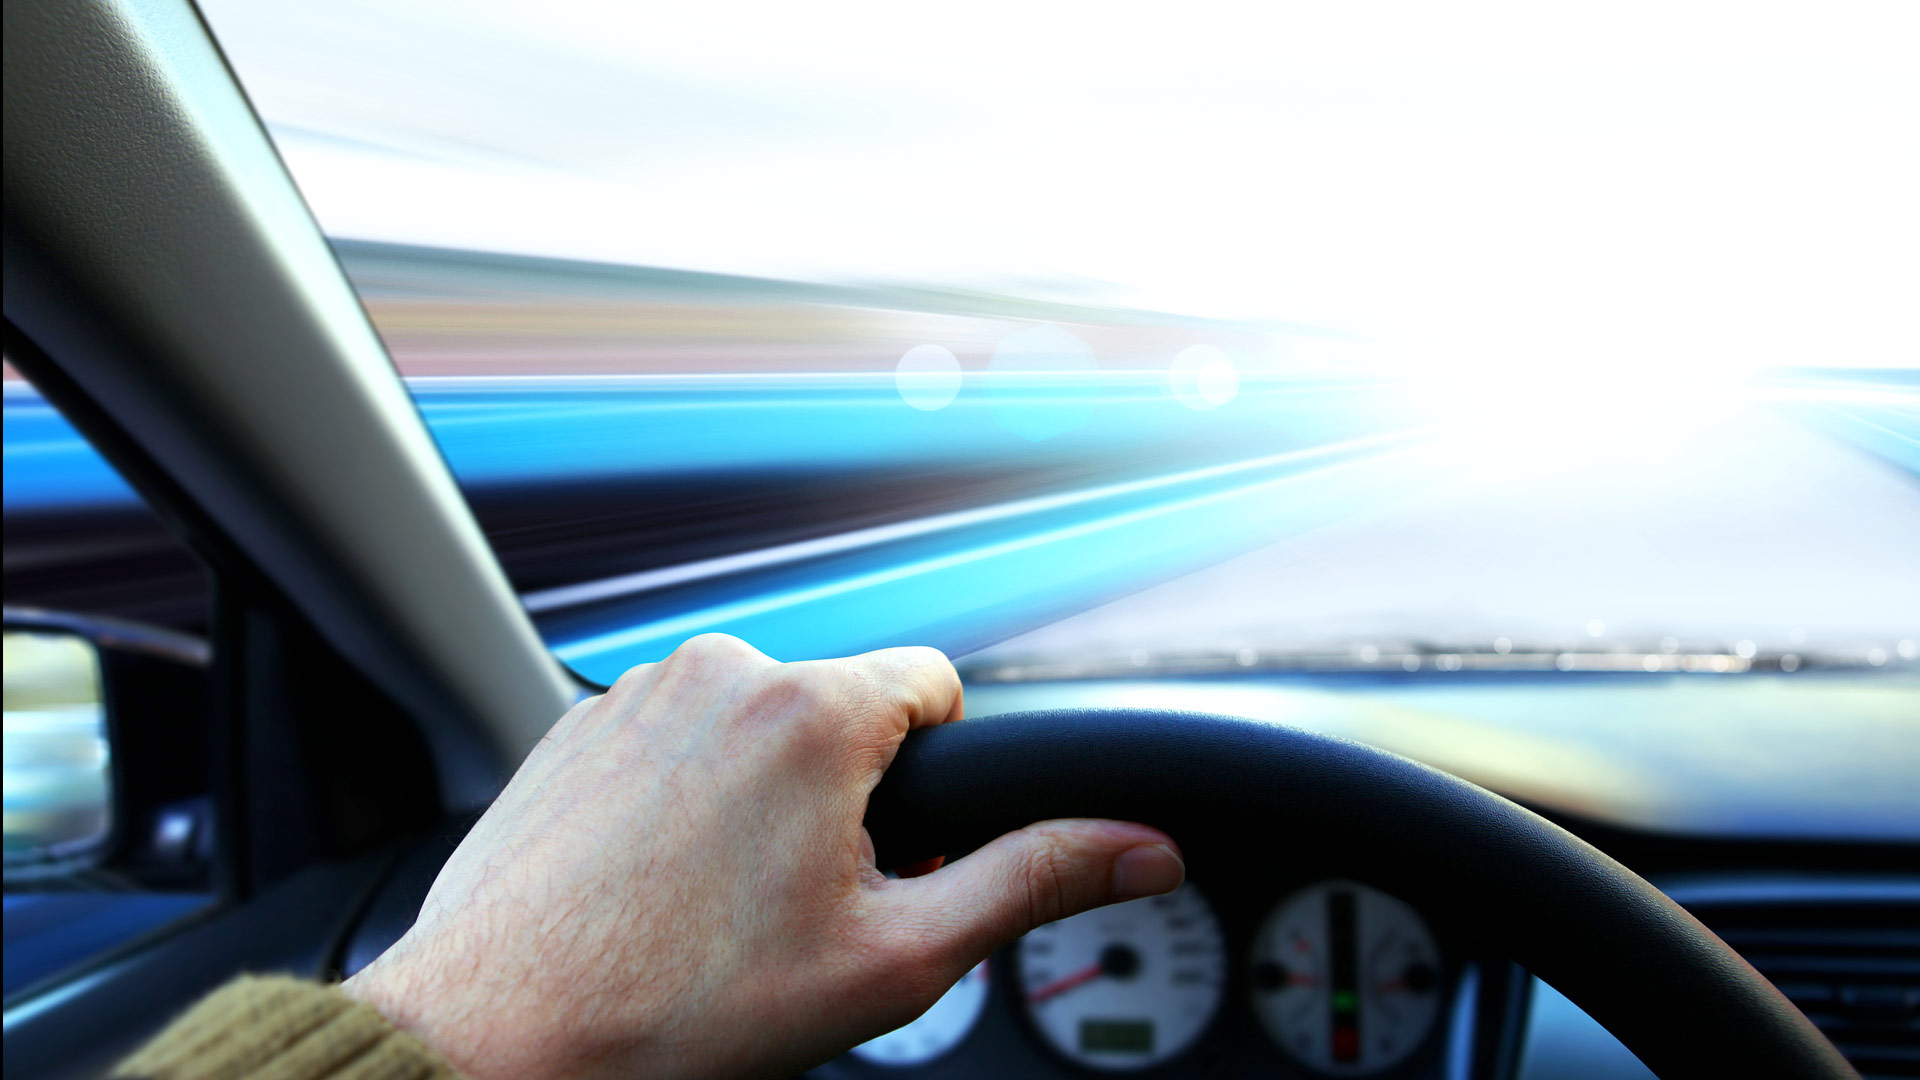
x=1661 y=982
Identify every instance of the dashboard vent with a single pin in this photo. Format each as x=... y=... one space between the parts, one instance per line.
x=1847 y=953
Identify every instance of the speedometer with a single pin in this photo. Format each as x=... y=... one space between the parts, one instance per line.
x=1346 y=978
x=1127 y=986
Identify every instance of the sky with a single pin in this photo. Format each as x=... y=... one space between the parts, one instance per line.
x=1645 y=187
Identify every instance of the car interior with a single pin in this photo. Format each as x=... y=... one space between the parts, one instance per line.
x=287 y=604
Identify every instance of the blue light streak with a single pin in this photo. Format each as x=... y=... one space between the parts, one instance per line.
x=1193 y=488
x=973 y=586
x=1876 y=409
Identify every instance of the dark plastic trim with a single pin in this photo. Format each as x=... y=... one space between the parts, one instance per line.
x=158 y=253
x=95 y=1017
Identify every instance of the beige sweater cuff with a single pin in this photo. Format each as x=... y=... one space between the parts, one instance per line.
x=274 y=1027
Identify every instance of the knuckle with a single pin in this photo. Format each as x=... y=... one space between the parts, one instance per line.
x=888 y=692
x=632 y=686
x=926 y=656
x=711 y=648
x=913 y=677
x=899 y=700
x=1045 y=871
x=577 y=715
x=587 y=704
x=632 y=677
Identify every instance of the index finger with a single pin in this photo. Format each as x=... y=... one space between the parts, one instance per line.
x=919 y=683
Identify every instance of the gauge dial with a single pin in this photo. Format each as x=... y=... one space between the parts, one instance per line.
x=1126 y=986
x=938 y=1030
x=1346 y=978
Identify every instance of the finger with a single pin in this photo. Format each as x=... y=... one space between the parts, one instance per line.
x=1042 y=873
x=919 y=683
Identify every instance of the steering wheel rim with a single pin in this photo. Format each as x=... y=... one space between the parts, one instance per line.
x=1675 y=994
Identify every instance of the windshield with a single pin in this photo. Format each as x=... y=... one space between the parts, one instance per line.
x=1083 y=341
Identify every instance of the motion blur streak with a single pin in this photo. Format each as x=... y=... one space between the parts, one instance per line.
x=533 y=430
x=705 y=451
x=49 y=467
x=1003 y=579
x=1875 y=409
x=630 y=584
x=817 y=513
x=951 y=528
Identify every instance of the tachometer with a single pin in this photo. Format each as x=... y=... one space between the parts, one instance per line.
x=938 y=1030
x=1126 y=986
x=1346 y=978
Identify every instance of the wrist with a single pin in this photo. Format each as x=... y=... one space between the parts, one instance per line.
x=416 y=1006
x=482 y=1026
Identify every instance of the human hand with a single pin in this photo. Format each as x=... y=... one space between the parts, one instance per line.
x=677 y=881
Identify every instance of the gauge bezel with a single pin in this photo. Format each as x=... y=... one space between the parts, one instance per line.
x=1006 y=1043
x=1446 y=987
x=1181 y=1061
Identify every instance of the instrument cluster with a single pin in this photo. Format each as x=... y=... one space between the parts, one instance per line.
x=1329 y=977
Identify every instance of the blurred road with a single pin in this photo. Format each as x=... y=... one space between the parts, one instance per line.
x=589 y=482
x=790 y=494
x=1754 y=528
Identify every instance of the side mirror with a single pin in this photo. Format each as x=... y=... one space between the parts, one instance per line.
x=59 y=789
x=106 y=746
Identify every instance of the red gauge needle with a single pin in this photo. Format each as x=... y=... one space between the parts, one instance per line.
x=1065 y=983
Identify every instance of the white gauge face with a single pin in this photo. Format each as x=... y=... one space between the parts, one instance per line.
x=1127 y=986
x=1346 y=978
x=938 y=1030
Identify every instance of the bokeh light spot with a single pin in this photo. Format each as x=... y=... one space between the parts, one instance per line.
x=1203 y=377
x=928 y=377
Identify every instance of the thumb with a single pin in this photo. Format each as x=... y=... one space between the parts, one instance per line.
x=1039 y=874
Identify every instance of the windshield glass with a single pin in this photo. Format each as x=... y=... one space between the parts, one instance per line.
x=1084 y=341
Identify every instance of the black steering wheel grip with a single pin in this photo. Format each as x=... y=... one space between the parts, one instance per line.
x=1661 y=982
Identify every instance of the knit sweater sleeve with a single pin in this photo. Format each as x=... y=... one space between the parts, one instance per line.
x=275 y=1027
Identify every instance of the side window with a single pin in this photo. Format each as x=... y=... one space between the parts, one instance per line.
x=108 y=819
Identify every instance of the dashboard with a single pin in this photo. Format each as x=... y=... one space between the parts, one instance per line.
x=1256 y=970
x=1283 y=970
x=1238 y=973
